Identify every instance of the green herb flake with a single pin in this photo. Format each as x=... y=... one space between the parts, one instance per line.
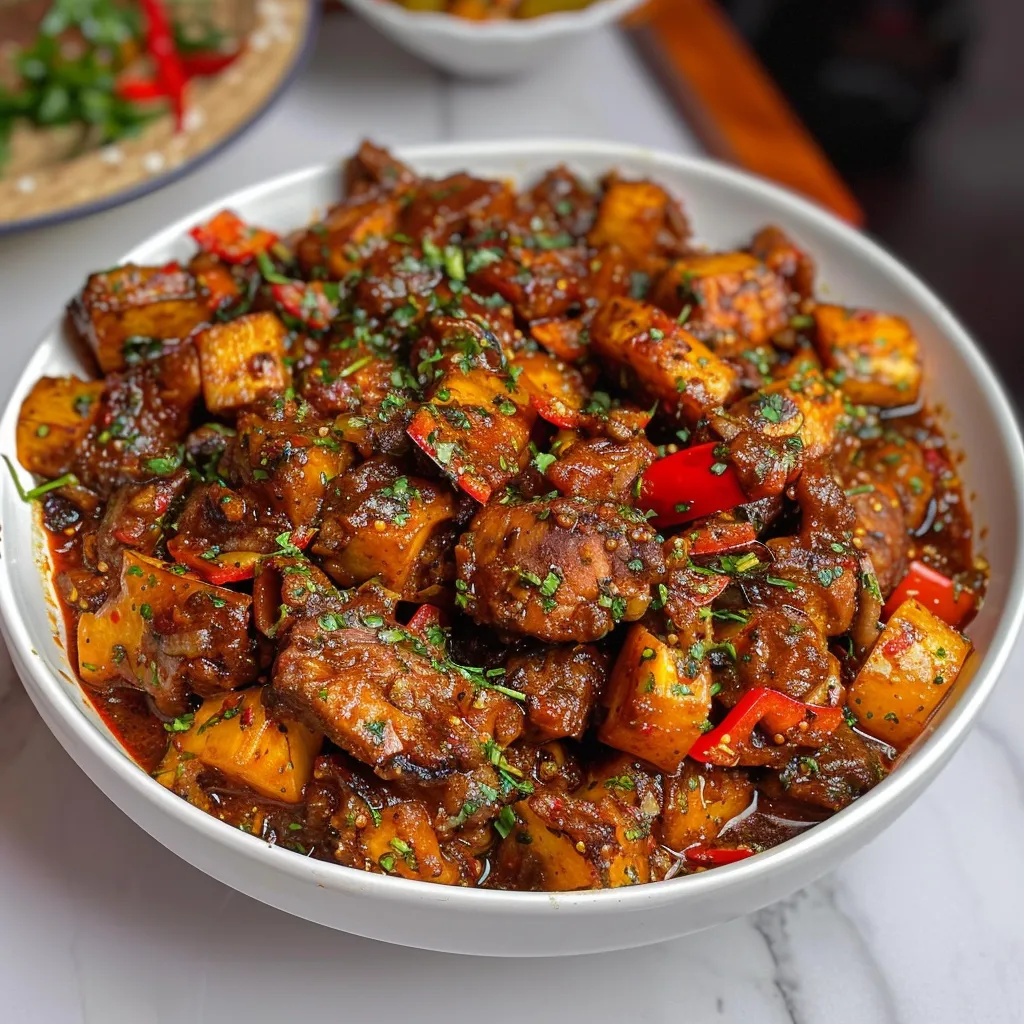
x=505 y=822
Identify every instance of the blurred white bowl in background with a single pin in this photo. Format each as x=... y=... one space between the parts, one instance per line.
x=486 y=49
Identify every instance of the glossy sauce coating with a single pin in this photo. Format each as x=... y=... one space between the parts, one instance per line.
x=354 y=544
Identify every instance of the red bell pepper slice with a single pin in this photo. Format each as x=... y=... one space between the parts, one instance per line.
x=691 y=484
x=301 y=536
x=422 y=429
x=716 y=856
x=169 y=70
x=425 y=618
x=424 y=624
x=938 y=593
x=719 y=538
x=778 y=713
x=230 y=238
x=306 y=301
x=227 y=566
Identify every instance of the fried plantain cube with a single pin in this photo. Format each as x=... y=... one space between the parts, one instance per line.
x=875 y=356
x=241 y=361
x=119 y=311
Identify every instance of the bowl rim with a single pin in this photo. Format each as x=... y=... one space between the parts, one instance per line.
x=511 y=30
x=811 y=844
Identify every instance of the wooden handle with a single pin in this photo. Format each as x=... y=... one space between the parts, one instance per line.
x=730 y=101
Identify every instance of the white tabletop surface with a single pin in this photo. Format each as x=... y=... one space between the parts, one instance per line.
x=100 y=924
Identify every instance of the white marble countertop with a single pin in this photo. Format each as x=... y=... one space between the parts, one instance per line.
x=100 y=924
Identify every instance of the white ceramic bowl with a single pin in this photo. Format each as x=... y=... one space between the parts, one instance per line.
x=726 y=206
x=486 y=49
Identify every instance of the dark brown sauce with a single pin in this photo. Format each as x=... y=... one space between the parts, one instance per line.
x=125 y=711
x=338 y=798
x=129 y=717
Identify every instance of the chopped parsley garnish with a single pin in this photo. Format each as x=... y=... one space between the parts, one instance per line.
x=182 y=723
x=623 y=782
x=505 y=822
x=542 y=461
x=165 y=465
x=286 y=547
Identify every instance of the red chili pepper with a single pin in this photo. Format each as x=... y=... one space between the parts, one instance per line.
x=939 y=594
x=212 y=62
x=139 y=90
x=777 y=712
x=306 y=301
x=230 y=238
x=160 y=43
x=715 y=856
x=718 y=538
x=131 y=532
x=692 y=483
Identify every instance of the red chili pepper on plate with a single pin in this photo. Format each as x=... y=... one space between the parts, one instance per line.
x=230 y=238
x=173 y=69
x=716 y=856
x=139 y=90
x=306 y=301
x=208 y=62
x=692 y=483
x=938 y=593
x=169 y=70
x=761 y=706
